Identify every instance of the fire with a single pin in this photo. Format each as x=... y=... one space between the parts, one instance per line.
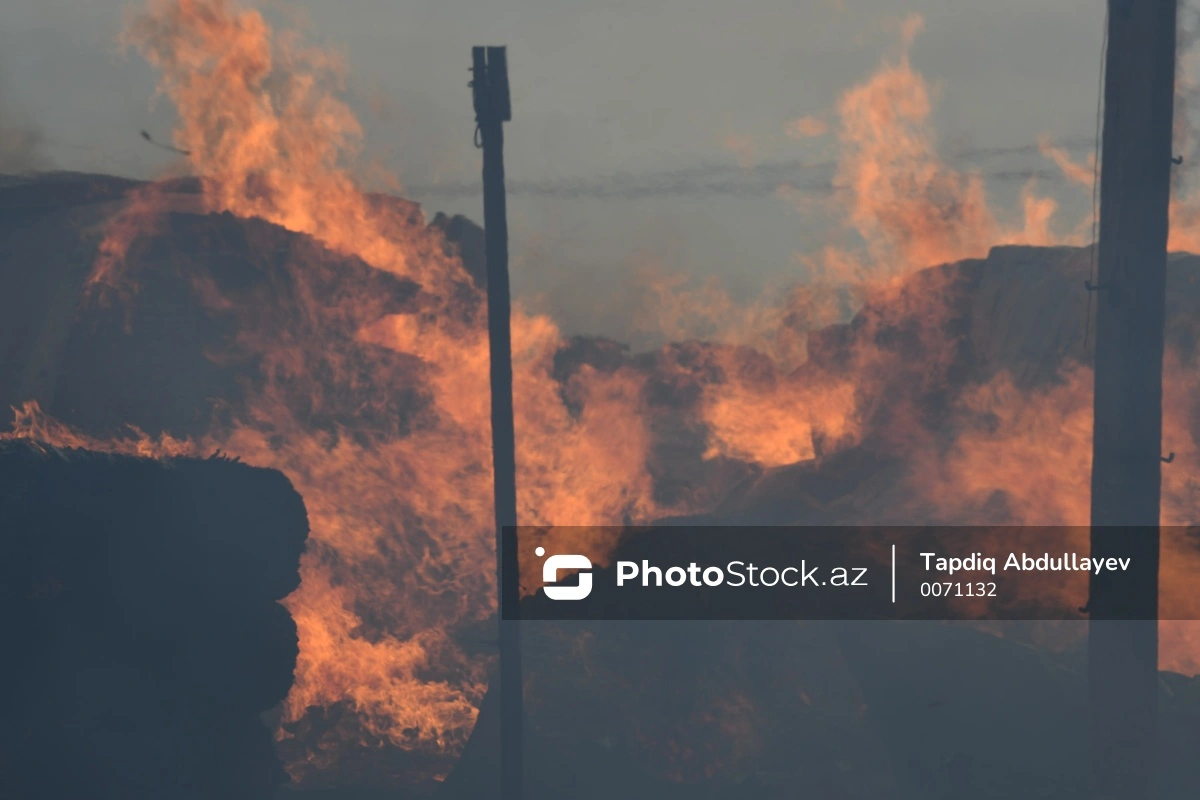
x=906 y=204
x=806 y=126
x=401 y=554
x=905 y=209
x=760 y=344
x=990 y=461
x=1081 y=174
x=1185 y=194
x=910 y=208
x=380 y=417
x=790 y=419
x=137 y=219
x=29 y=422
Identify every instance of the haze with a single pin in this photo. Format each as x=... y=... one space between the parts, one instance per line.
x=643 y=133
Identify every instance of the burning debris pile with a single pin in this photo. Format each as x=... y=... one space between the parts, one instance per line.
x=206 y=352
x=262 y=304
x=139 y=600
x=210 y=323
x=966 y=377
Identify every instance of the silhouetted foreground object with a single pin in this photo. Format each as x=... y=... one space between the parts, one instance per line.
x=142 y=634
x=1131 y=270
x=489 y=87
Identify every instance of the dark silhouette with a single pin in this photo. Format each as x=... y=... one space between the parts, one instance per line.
x=144 y=640
x=492 y=110
x=1130 y=293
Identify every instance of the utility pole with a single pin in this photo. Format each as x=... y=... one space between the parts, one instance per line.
x=492 y=109
x=1130 y=293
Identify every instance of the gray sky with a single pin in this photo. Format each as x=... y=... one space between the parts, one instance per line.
x=621 y=109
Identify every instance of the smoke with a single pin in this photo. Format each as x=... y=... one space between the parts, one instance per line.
x=392 y=576
x=761 y=179
x=21 y=143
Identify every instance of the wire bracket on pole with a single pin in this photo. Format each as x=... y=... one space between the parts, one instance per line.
x=489 y=85
x=1168 y=458
x=1177 y=160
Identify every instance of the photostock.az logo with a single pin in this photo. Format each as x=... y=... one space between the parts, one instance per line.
x=555 y=564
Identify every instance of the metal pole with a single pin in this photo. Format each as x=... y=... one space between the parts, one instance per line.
x=492 y=109
x=1130 y=294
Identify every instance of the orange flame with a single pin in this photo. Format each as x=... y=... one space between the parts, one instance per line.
x=401 y=560
x=1082 y=174
x=401 y=551
x=911 y=209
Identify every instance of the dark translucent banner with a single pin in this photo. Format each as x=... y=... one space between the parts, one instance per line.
x=861 y=573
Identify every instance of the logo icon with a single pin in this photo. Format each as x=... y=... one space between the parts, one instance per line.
x=555 y=564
